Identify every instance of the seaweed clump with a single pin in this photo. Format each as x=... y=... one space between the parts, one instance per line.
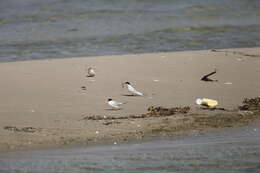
x=24 y=129
x=152 y=112
x=251 y=104
x=161 y=111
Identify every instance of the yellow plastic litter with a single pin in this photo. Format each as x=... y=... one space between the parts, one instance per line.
x=207 y=102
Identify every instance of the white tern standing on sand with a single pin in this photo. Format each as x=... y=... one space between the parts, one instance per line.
x=91 y=72
x=114 y=103
x=132 y=89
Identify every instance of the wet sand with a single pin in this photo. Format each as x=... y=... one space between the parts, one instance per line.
x=43 y=103
x=233 y=150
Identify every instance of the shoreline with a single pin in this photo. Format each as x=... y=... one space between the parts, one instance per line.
x=228 y=51
x=43 y=104
x=132 y=140
x=166 y=130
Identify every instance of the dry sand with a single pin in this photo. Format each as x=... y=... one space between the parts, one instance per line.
x=46 y=96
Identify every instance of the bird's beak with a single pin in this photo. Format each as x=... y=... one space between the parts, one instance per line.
x=122 y=85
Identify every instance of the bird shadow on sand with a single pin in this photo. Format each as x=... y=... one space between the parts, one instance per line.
x=129 y=95
x=133 y=95
x=112 y=109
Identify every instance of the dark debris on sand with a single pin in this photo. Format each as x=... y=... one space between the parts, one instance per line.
x=206 y=77
x=251 y=104
x=24 y=129
x=161 y=111
x=152 y=112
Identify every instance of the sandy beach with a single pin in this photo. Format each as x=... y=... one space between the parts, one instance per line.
x=44 y=104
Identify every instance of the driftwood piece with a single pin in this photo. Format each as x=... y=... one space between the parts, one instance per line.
x=206 y=77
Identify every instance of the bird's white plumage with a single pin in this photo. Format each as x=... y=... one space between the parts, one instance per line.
x=133 y=90
x=115 y=104
x=91 y=72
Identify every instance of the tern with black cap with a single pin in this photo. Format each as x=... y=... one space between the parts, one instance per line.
x=114 y=104
x=132 y=89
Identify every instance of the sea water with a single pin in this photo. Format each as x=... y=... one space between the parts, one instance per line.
x=31 y=29
x=233 y=150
